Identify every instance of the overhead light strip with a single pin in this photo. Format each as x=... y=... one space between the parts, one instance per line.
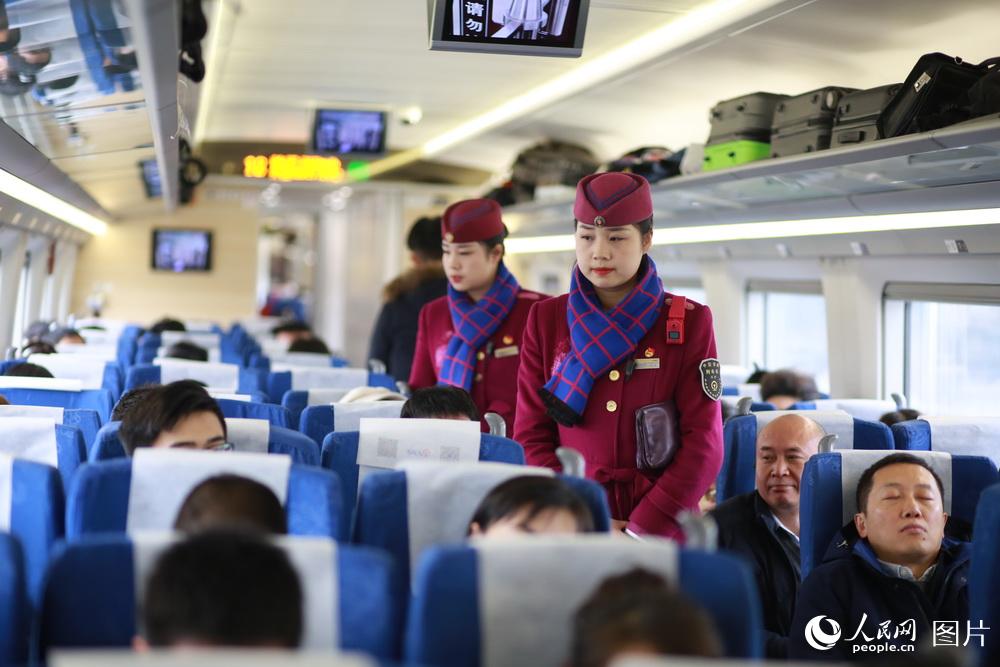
x=755 y=231
x=674 y=35
x=33 y=196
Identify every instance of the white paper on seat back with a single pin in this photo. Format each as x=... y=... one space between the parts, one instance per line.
x=6 y=490
x=162 y=479
x=854 y=463
x=348 y=416
x=969 y=436
x=248 y=435
x=88 y=370
x=105 y=352
x=31 y=438
x=295 y=359
x=441 y=498
x=242 y=398
x=52 y=384
x=217 y=376
x=315 y=561
x=203 y=339
x=833 y=421
x=55 y=414
x=869 y=409
x=215 y=657
x=530 y=589
x=325 y=396
x=311 y=377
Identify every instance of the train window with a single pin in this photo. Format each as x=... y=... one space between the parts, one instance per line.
x=787 y=328
x=940 y=347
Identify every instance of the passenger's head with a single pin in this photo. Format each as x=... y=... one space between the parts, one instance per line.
x=440 y=402
x=231 y=501
x=614 y=227
x=184 y=349
x=37 y=347
x=757 y=375
x=901 y=415
x=472 y=236
x=223 y=589
x=180 y=414
x=129 y=400
x=9 y=39
x=67 y=337
x=424 y=241
x=531 y=505
x=783 y=447
x=784 y=387
x=639 y=613
x=291 y=330
x=27 y=370
x=901 y=510
x=370 y=395
x=313 y=345
x=167 y=324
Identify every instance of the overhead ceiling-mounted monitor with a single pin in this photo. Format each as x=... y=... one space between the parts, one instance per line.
x=346 y=131
x=181 y=250
x=524 y=27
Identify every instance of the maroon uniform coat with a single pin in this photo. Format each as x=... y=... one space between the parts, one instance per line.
x=606 y=437
x=494 y=387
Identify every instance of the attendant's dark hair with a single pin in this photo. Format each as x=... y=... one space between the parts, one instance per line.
x=167 y=324
x=231 y=501
x=314 y=345
x=639 y=608
x=493 y=242
x=533 y=493
x=162 y=409
x=224 y=588
x=129 y=400
x=867 y=479
x=185 y=349
x=424 y=238
x=439 y=402
x=27 y=370
x=901 y=415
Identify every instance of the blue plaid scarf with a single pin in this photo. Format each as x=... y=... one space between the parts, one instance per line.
x=599 y=340
x=474 y=322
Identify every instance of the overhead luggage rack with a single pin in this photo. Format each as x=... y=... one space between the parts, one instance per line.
x=946 y=169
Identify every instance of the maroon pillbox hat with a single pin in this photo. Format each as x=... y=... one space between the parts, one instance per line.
x=612 y=199
x=471 y=220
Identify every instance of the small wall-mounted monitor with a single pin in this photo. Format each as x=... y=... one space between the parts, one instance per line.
x=181 y=250
x=151 y=178
x=343 y=131
x=524 y=27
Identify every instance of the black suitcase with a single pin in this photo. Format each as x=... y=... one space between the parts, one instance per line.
x=934 y=95
x=803 y=123
x=857 y=115
x=747 y=117
x=800 y=139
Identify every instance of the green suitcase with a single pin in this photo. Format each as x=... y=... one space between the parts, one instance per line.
x=734 y=153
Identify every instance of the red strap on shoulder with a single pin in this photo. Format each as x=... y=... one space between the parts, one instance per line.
x=675 y=320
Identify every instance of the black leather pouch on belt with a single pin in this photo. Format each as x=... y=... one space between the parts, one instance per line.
x=657 y=435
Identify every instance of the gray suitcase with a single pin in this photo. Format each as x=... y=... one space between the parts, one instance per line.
x=800 y=139
x=857 y=115
x=745 y=117
x=815 y=108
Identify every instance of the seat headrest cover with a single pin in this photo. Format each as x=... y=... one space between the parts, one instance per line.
x=854 y=463
x=248 y=435
x=299 y=359
x=751 y=390
x=832 y=421
x=107 y=352
x=971 y=436
x=51 y=384
x=530 y=589
x=56 y=414
x=32 y=438
x=312 y=377
x=383 y=443
x=218 y=376
x=325 y=396
x=201 y=339
x=214 y=354
x=442 y=497
x=869 y=409
x=88 y=370
x=348 y=416
x=6 y=489
x=213 y=657
x=162 y=479
x=243 y=398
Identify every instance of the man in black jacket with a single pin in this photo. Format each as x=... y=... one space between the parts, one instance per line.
x=890 y=577
x=763 y=525
x=395 y=333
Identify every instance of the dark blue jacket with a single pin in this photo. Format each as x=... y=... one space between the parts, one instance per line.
x=850 y=583
x=395 y=334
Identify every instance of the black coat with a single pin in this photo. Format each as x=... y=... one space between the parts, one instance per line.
x=850 y=583
x=747 y=528
x=395 y=335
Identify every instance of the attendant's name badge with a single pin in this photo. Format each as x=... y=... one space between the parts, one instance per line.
x=509 y=351
x=647 y=364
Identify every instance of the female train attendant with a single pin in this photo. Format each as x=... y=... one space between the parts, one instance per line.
x=471 y=338
x=621 y=371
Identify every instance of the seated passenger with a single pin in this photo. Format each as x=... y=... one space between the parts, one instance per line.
x=37 y=347
x=898 y=569
x=763 y=525
x=180 y=414
x=291 y=331
x=222 y=589
x=531 y=505
x=784 y=387
x=167 y=324
x=901 y=415
x=313 y=345
x=231 y=501
x=639 y=614
x=440 y=402
x=67 y=336
x=28 y=371
x=184 y=349
x=129 y=400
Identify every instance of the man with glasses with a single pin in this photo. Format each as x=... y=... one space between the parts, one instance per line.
x=177 y=415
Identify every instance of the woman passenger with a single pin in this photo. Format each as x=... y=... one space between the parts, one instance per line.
x=617 y=356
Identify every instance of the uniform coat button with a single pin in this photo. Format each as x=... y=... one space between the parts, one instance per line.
x=480 y=355
x=612 y=406
x=614 y=375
